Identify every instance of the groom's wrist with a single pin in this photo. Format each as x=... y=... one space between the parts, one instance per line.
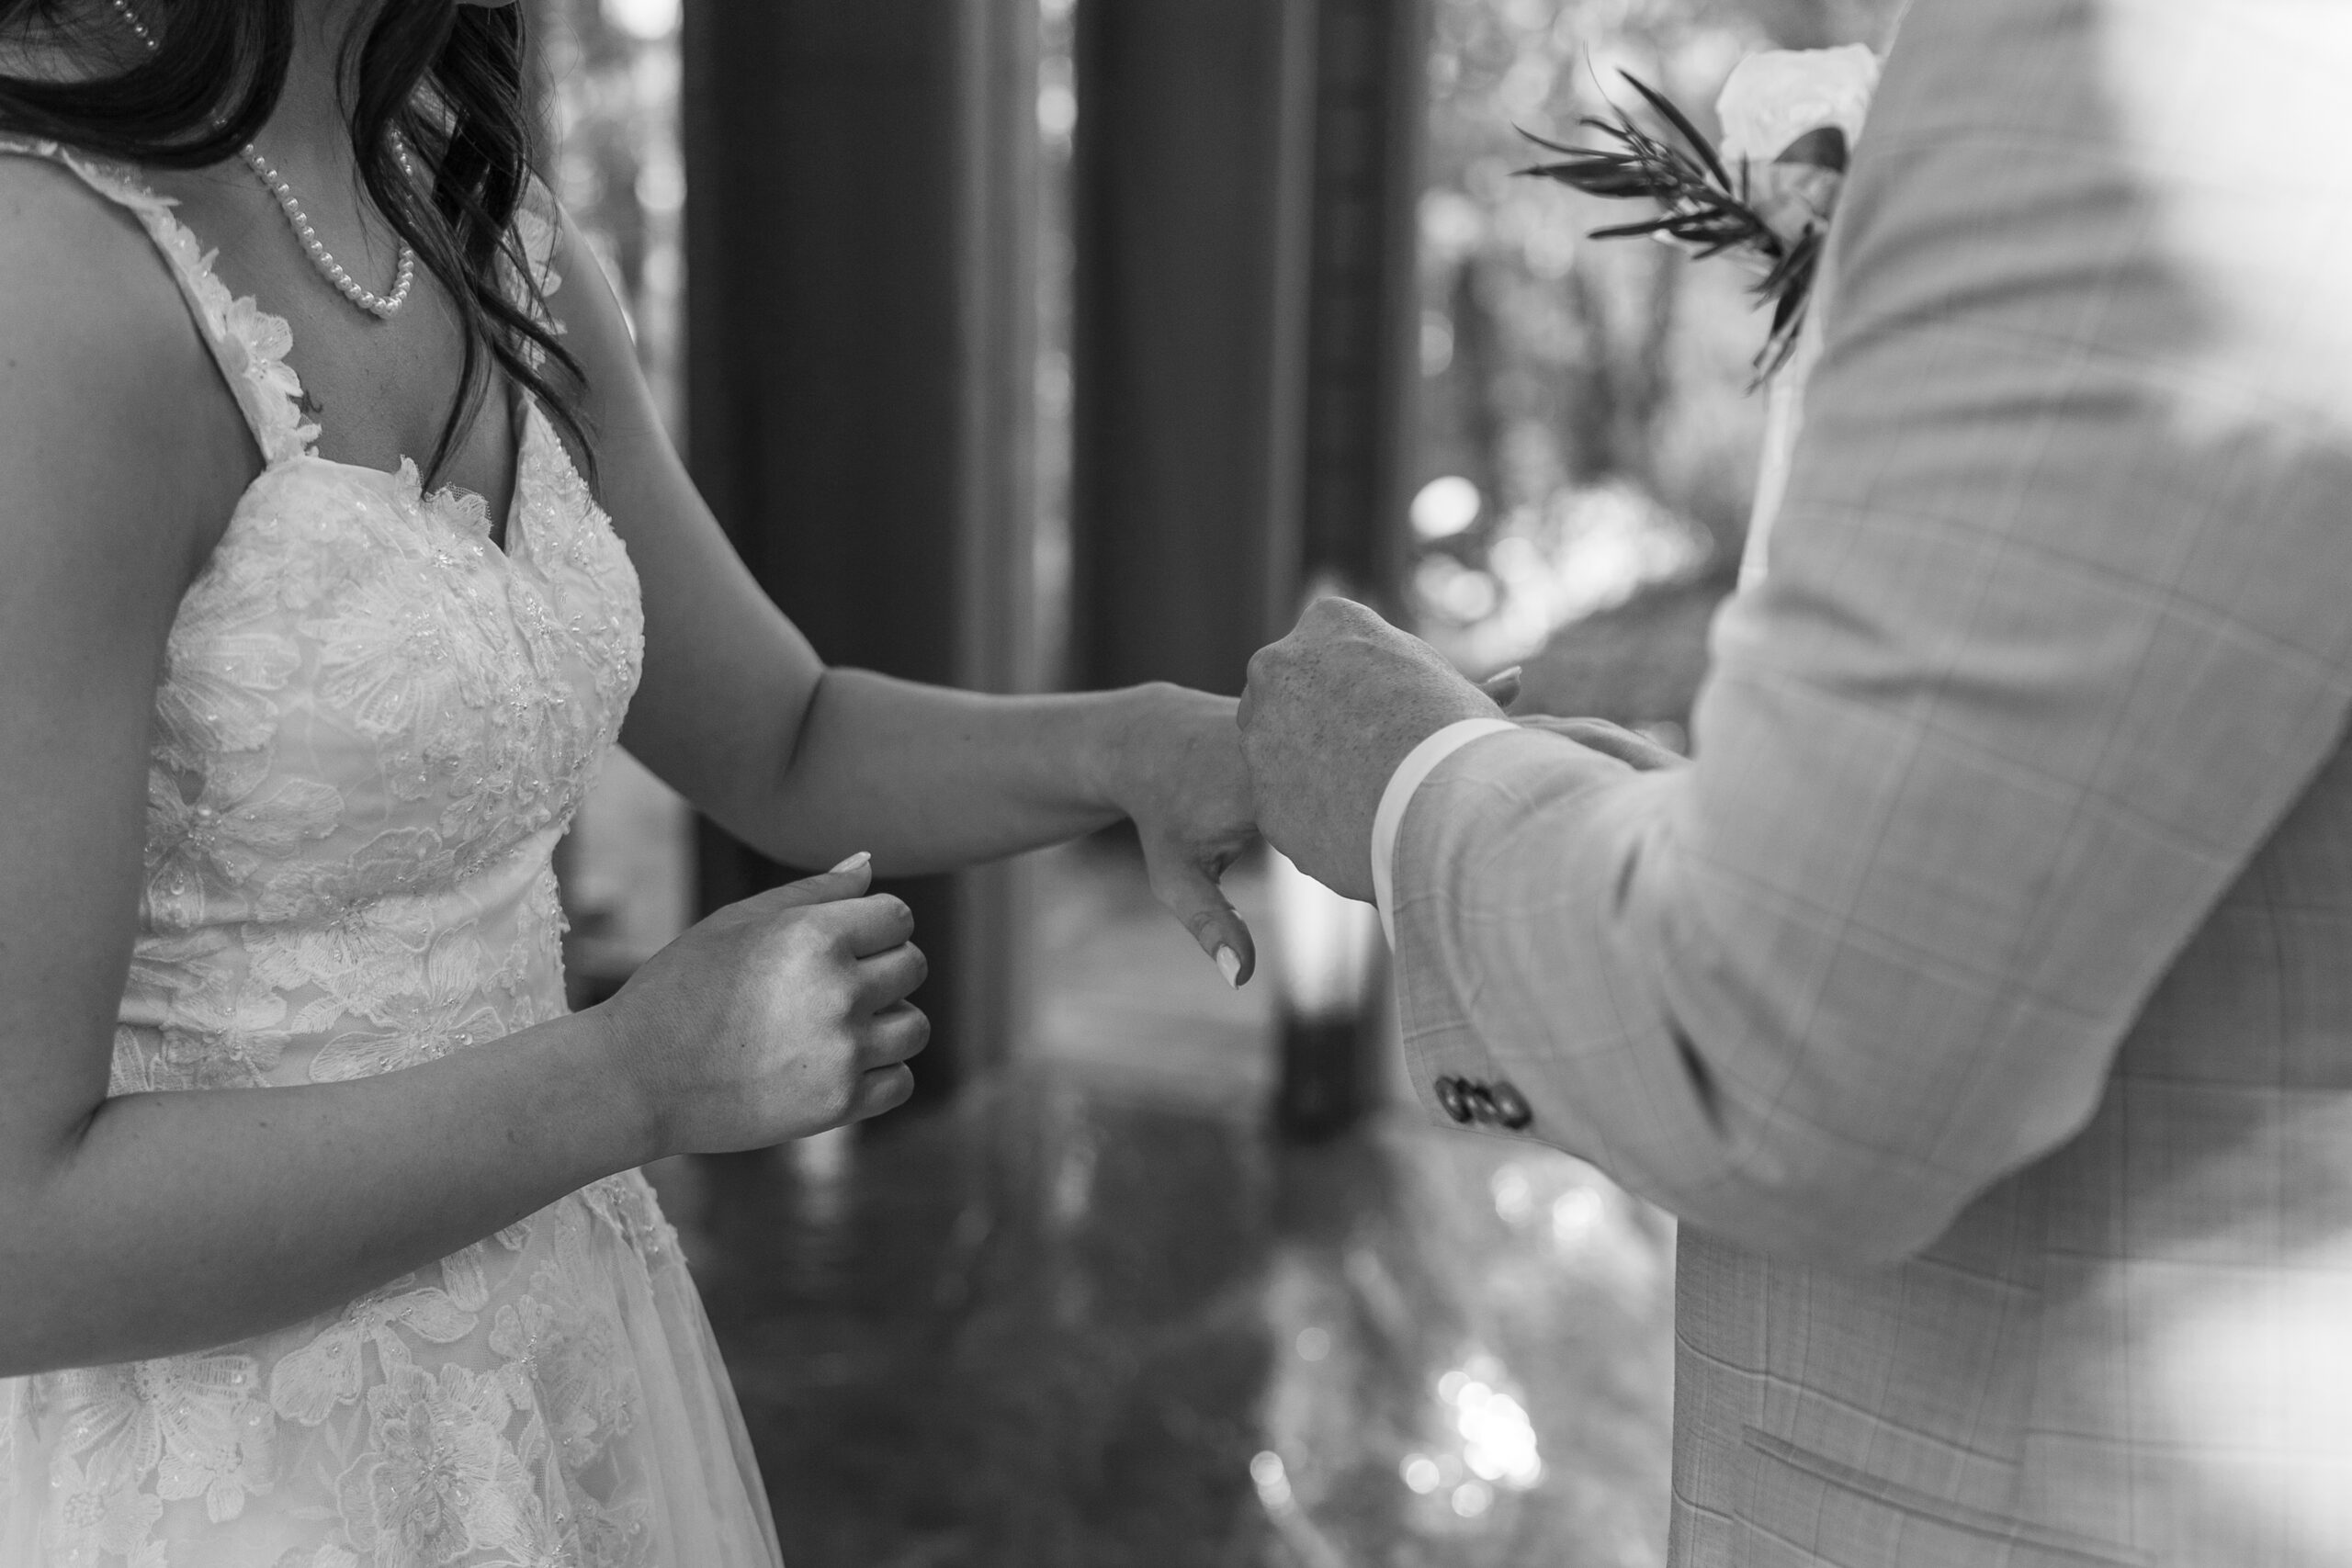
x=1397 y=793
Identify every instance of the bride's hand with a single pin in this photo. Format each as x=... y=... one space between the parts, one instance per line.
x=778 y=1017
x=1174 y=766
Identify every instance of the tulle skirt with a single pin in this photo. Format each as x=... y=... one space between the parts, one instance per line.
x=548 y=1396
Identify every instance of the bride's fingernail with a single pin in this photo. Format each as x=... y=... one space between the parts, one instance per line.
x=852 y=863
x=1228 y=963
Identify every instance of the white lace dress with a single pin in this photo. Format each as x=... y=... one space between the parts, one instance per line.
x=372 y=729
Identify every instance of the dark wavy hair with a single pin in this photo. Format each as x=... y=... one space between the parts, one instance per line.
x=449 y=78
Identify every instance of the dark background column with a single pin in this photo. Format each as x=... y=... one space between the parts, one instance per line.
x=1363 y=321
x=1245 y=179
x=1246 y=318
x=1361 y=367
x=862 y=180
x=1193 y=143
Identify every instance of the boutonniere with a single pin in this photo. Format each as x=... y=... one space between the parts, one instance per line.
x=1789 y=121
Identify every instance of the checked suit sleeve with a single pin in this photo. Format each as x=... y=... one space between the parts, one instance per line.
x=1403 y=785
x=2058 y=626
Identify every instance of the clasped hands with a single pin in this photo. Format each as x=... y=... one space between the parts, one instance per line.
x=1329 y=712
x=1334 y=708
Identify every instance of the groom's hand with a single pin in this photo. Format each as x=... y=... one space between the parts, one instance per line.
x=1330 y=711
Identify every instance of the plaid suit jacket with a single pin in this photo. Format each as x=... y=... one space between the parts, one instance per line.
x=1981 y=998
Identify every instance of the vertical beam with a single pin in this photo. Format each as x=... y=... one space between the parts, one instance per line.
x=1369 y=116
x=1371 y=121
x=1247 y=182
x=1247 y=188
x=861 y=192
x=1187 y=221
x=997 y=454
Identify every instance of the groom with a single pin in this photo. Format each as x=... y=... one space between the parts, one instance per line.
x=1981 y=997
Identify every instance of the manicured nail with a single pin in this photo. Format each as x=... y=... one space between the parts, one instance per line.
x=852 y=863
x=1513 y=674
x=1228 y=963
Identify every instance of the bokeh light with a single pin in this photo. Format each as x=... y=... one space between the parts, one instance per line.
x=1446 y=506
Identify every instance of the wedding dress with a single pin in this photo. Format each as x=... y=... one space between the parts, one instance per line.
x=372 y=728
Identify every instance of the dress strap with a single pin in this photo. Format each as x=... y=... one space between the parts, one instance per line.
x=249 y=345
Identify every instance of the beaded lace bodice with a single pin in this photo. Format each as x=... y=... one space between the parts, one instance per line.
x=372 y=728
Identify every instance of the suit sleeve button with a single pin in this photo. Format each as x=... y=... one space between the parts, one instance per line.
x=1451 y=1097
x=1511 y=1108
x=1482 y=1104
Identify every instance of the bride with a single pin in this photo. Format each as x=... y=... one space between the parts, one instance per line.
x=331 y=560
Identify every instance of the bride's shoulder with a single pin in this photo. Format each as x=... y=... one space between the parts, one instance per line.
x=103 y=373
x=50 y=211
x=70 y=255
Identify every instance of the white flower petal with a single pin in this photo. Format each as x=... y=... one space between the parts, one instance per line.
x=1774 y=97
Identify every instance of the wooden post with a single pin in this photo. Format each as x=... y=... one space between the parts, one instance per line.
x=861 y=199
x=1247 y=190
x=1363 y=323
x=1191 y=223
x=1247 y=183
x=1361 y=370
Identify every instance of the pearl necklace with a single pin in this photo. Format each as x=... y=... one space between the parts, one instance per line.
x=381 y=306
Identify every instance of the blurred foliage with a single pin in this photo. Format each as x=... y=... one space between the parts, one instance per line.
x=610 y=72
x=1594 y=394
x=1585 y=404
x=608 y=75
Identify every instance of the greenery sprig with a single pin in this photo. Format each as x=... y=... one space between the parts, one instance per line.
x=1702 y=207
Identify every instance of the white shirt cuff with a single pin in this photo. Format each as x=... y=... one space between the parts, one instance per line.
x=1410 y=773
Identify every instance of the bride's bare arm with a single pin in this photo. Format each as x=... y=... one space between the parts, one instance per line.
x=739 y=713
x=147 y=1223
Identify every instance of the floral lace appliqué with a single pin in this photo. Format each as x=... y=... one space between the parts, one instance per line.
x=372 y=728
